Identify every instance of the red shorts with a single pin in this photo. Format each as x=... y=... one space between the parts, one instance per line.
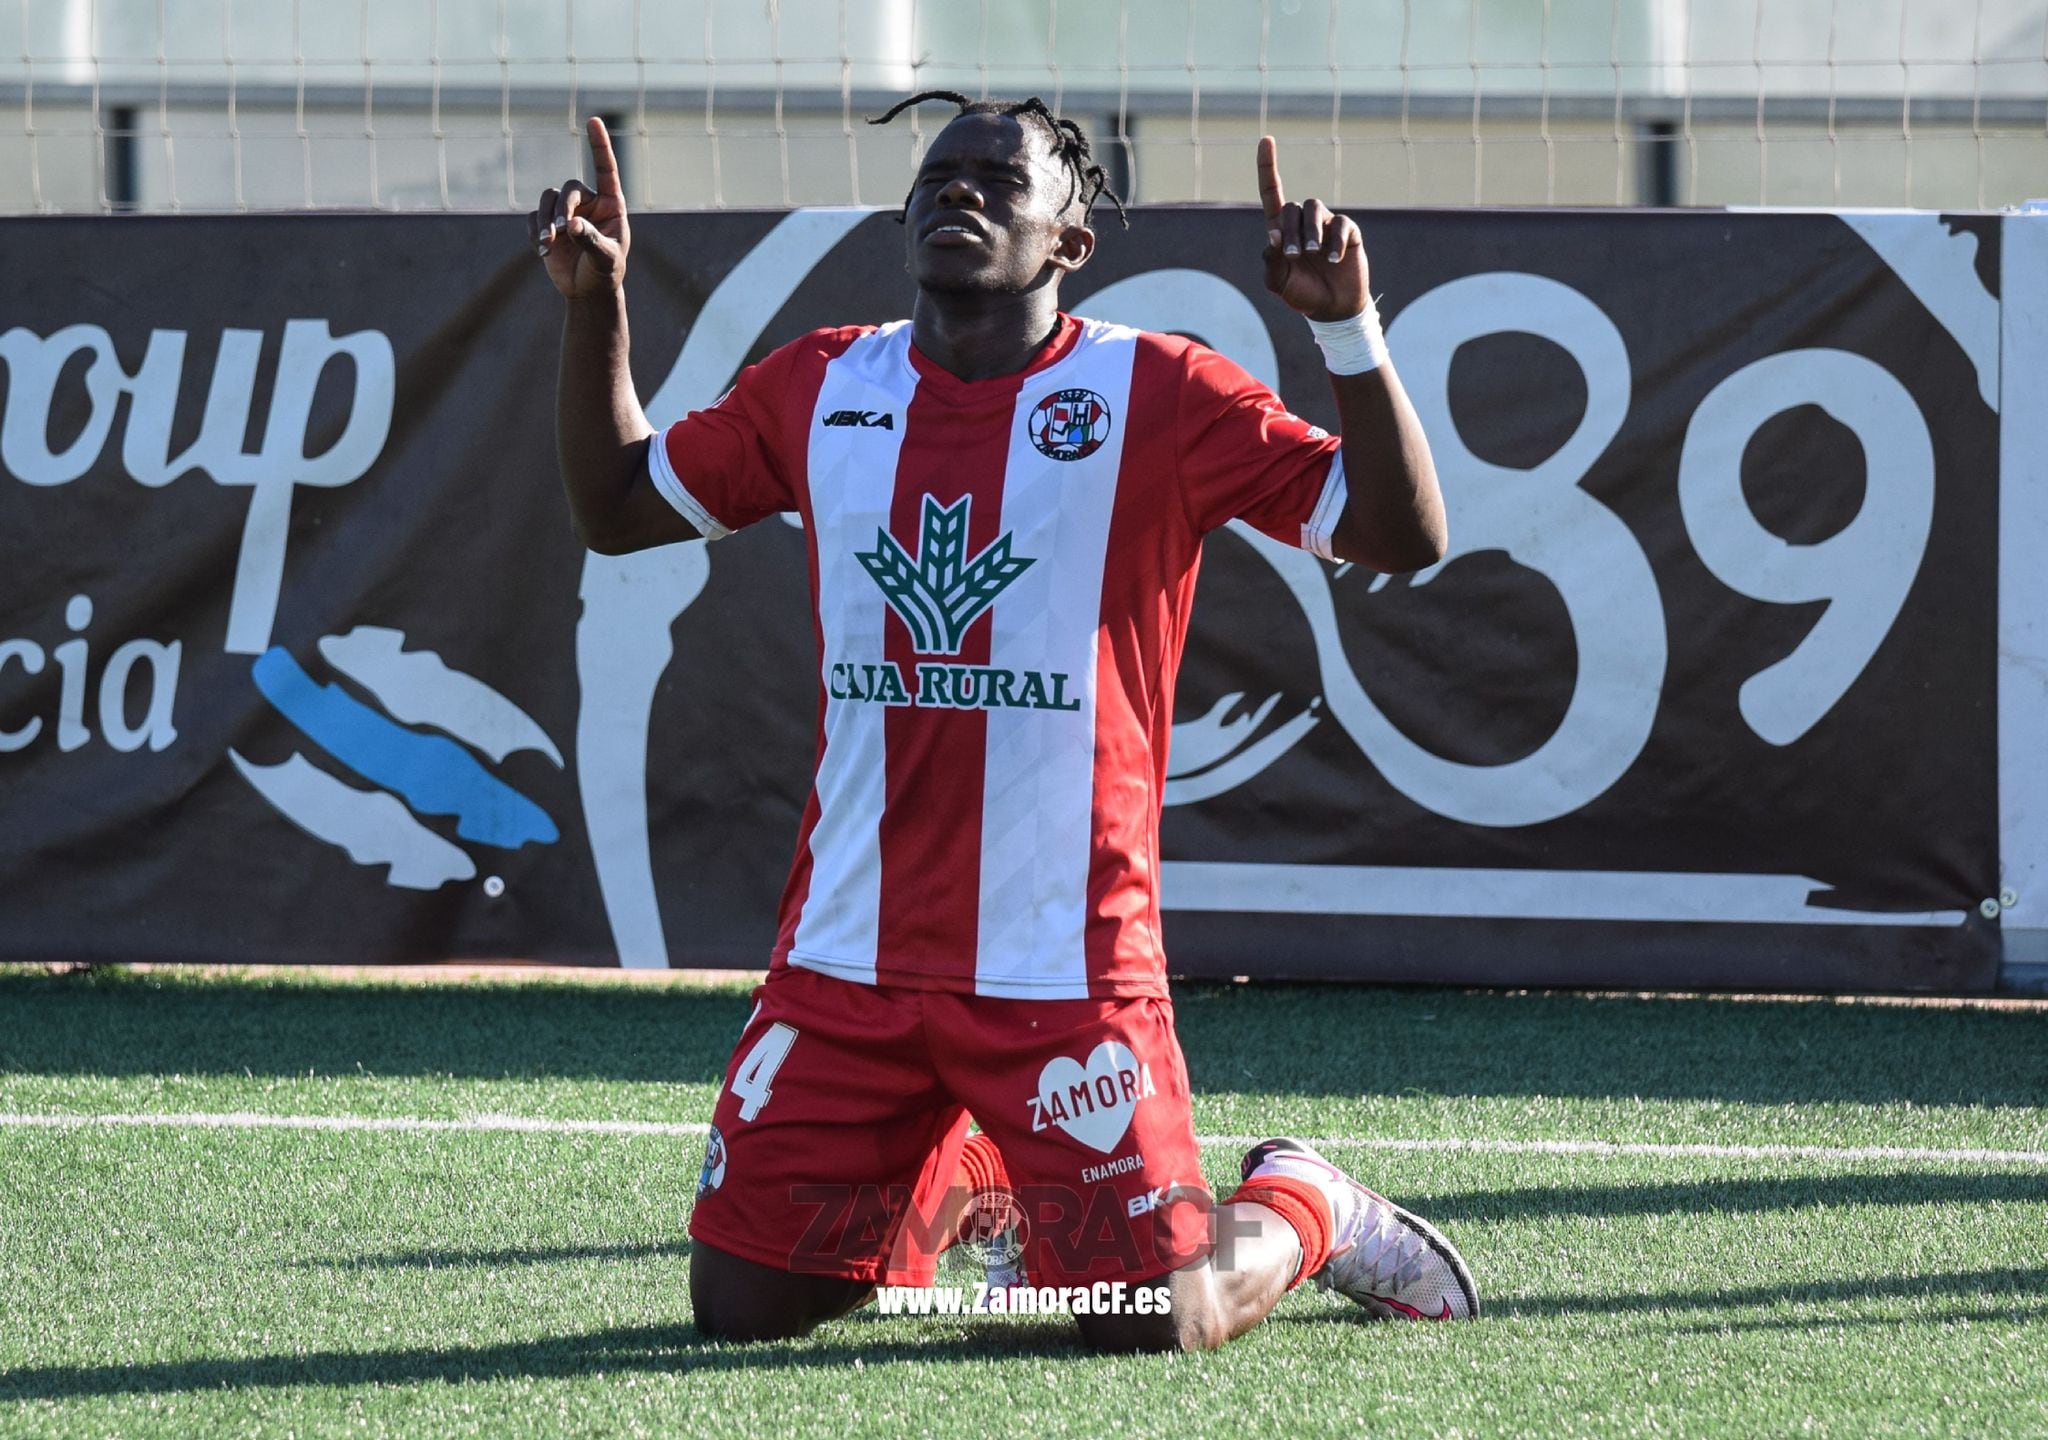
x=836 y=1139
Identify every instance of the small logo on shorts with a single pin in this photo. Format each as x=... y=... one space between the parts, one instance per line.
x=1070 y=424
x=1093 y=1103
x=713 y=1173
x=1122 y=1165
x=1145 y=1204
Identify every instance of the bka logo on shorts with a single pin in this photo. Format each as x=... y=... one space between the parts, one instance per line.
x=939 y=592
x=713 y=1173
x=1093 y=1103
x=1070 y=424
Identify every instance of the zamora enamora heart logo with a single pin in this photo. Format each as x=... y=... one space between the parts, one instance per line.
x=1093 y=1103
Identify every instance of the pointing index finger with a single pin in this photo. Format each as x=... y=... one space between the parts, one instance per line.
x=1270 y=194
x=606 y=163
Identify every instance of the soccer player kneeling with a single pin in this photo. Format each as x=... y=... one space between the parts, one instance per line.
x=1005 y=508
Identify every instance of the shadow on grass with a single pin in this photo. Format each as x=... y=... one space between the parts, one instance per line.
x=104 y=1023
x=646 y=1349
x=1735 y=1196
x=2022 y=1289
x=1282 y=1040
x=1989 y=1312
x=498 y=1259
x=2020 y=1293
x=2012 y=1282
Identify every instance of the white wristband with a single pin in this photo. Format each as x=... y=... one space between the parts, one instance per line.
x=1354 y=346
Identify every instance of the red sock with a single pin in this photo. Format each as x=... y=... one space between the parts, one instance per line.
x=1301 y=1204
x=982 y=1172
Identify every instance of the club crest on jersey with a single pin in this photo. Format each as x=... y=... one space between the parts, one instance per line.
x=939 y=592
x=1093 y=1103
x=1070 y=424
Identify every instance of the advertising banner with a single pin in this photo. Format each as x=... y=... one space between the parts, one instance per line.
x=300 y=660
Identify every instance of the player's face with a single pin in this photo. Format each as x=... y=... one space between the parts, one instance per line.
x=992 y=209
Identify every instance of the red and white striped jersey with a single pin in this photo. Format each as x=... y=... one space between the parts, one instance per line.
x=1001 y=576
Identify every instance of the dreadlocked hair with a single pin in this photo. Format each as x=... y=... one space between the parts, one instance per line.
x=1069 y=140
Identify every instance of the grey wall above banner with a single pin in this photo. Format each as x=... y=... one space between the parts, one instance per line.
x=1736 y=673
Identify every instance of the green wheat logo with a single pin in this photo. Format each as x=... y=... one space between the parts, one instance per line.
x=940 y=592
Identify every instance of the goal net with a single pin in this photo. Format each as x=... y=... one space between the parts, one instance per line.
x=211 y=105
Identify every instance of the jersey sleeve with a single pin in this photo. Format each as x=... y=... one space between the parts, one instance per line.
x=1245 y=456
x=721 y=466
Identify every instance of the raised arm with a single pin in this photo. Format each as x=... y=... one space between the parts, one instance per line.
x=1393 y=519
x=601 y=433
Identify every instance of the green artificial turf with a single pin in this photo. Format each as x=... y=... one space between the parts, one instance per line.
x=195 y=1282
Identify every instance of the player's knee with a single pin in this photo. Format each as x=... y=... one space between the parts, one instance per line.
x=725 y=1313
x=738 y=1316
x=743 y=1324
x=738 y=1300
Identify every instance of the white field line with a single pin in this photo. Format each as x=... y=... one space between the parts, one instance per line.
x=519 y=1124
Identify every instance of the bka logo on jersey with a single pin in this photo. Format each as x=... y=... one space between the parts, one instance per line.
x=866 y=419
x=939 y=592
x=1093 y=1103
x=1070 y=424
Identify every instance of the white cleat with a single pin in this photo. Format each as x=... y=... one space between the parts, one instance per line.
x=1393 y=1263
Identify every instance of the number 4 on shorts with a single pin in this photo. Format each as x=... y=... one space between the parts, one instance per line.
x=752 y=1081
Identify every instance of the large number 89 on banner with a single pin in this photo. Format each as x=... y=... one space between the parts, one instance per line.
x=1543 y=519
